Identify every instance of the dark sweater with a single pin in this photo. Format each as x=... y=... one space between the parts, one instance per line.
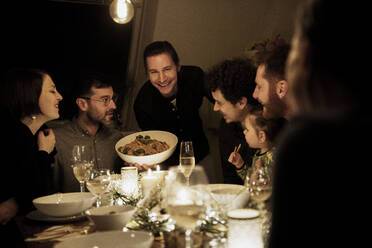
x=155 y=112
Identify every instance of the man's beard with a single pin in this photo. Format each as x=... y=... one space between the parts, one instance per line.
x=102 y=120
x=275 y=108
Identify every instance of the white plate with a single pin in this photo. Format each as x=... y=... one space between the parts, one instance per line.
x=39 y=216
x=110 y=239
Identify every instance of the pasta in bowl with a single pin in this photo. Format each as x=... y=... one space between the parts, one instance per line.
x=146 y=147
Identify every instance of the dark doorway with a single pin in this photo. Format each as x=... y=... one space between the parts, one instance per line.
x=65 y=39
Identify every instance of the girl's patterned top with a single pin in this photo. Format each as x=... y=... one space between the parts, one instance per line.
x=264 y=159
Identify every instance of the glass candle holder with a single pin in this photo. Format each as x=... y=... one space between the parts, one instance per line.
x=129 y=177
x=244 y=228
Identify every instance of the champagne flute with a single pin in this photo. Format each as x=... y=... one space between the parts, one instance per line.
x=187 y=159
x=98 y=183
x=185 y=203
x=82 y=162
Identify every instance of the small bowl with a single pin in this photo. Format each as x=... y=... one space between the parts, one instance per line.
x=236 y=196
x=110 y=217
x=157 y=158
x=110 y=239
x=64 y=204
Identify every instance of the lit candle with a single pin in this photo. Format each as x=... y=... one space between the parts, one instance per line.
x=148 y=181
x=129 y=177
x=244 y=228
x=183 y=196
x=159 y=173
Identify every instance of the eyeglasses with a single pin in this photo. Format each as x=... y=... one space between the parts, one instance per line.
x=106 y=99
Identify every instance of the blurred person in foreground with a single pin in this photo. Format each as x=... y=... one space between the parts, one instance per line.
x=231 y=83
x=170 y=101
x=29 y=99
x=95 y=103
x=320 y=184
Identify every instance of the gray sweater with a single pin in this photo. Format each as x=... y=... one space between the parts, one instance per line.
x=103 y=147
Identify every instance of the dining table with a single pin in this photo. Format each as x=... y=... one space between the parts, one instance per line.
x=31 y=229
x=42 y=231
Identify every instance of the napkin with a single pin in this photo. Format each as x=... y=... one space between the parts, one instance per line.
x=60 y=232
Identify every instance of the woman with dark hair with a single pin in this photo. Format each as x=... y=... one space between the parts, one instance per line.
x=320 y=181
x=29 y=99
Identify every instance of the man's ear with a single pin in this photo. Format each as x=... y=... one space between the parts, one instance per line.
x=242 y=103
x=82 y=104
x=261 y=136
x=282 y=88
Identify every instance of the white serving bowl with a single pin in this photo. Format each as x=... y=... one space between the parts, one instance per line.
x=157 y=158
x=64 y=204
x=110 y=217
x=233 y=195
x=110 y=239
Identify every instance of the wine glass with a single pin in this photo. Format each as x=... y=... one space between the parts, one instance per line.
x=187 y=159
x=98 y=183
x=82 y=162
x=185 y=198
x=259 y=184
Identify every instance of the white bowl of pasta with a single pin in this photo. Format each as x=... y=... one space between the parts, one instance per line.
x=146 y=147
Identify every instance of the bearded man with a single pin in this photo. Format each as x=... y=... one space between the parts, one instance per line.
x=271 y=87
x=91 y=126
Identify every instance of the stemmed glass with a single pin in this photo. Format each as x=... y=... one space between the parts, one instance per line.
x=185 y=199
x=225 y=197
x=82 y=162
x=259 y=184
x=98 y=183
x=187 y=159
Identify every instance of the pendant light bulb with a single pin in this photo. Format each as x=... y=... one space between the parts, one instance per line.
x=121 y=11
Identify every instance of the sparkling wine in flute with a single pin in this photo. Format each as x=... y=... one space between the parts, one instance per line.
x=187 y=159
x=187 y=165
x=186 y=216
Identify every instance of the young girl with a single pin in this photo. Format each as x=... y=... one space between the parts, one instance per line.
x=259 y=133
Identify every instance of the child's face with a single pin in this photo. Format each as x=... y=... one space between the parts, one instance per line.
x=250 y=133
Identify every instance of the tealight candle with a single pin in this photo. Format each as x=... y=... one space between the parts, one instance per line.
x=148 y=181
x=244 y=228
x=129 y=177
x=159 y=173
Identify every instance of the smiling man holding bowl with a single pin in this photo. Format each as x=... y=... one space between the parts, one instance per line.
x=170 y=100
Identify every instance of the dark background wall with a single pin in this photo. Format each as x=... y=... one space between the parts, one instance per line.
x=64 y=39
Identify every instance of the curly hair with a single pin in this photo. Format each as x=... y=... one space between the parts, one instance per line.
x=234 y=78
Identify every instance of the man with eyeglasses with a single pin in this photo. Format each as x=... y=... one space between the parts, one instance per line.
x=92 y=125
